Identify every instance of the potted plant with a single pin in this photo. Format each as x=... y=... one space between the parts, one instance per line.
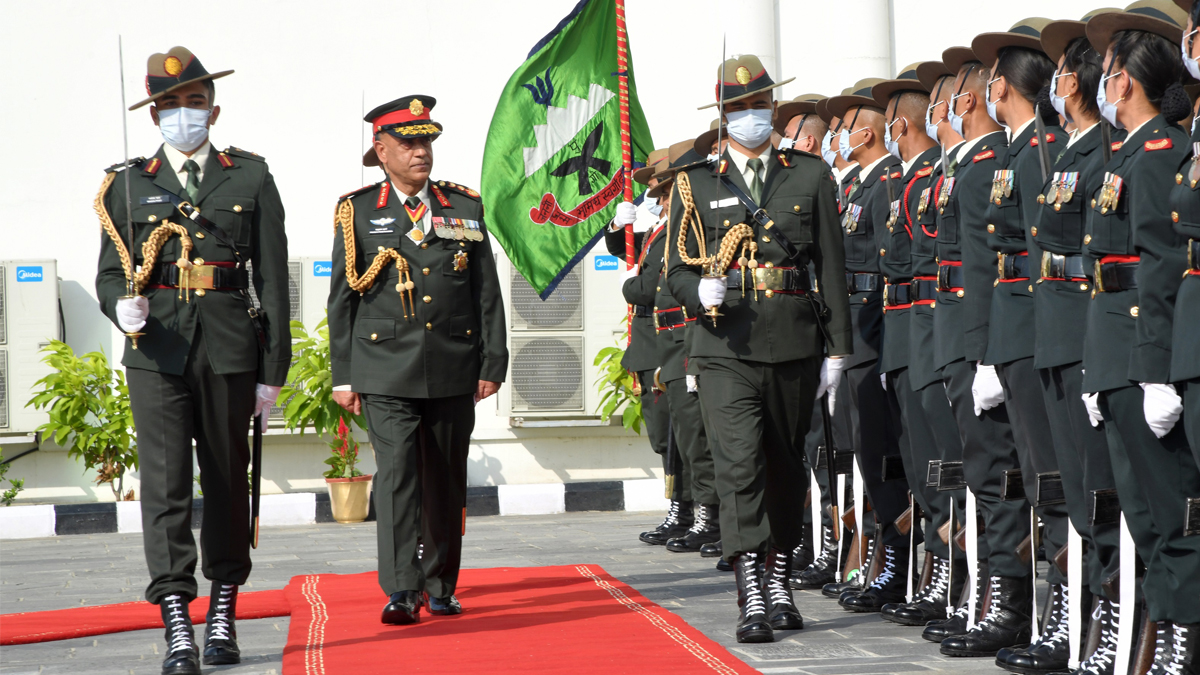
x=619 y=389
x=309 y=403
x=88 y=405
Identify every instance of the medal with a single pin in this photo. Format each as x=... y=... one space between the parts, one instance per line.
x=923 y=202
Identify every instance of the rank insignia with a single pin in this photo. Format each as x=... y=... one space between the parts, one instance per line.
x=384 y=189
x=783 y=160
x=1116 y=145
x=224 y=159
x=440 y=196
x=897 y=174
x=850 y=220
x=990 y=154
x=1033 y=142
x=153 y=167
x=722 y=166
x=460 y=261
x=923 y=172
x=1160 y=144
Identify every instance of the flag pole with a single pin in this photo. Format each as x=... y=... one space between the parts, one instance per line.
x=623 y=101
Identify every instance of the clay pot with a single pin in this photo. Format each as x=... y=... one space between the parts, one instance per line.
x=350 y=498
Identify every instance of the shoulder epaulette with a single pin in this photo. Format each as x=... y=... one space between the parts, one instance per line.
x=1159 y=144
x=359 y=191
x=461 y=188
x=990 y=154
x=1033 y=142
x=440 y=196
x=120 y=166
x=152 y=166
x=897 y=174
x=238 y=152
x=225 y=160
x=923 y=172
x=1116 y=145
x=783 y=159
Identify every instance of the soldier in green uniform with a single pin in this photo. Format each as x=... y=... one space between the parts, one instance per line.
x=759 y=350
x=201 y=359
x=417 y=338
x=1127 y=355
x=1185 y=363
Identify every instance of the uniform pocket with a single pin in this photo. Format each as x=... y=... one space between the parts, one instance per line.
x=947 y=228
x=375 y=329
x=796 y=221
x=463 y=326
x=235 y=215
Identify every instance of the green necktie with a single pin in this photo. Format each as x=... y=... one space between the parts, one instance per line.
x=193 y=180
x=756 y=185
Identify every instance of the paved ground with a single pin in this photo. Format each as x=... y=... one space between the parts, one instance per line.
x=71 y=571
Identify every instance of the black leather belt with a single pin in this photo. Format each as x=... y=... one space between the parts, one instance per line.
x=858 y=282
x=1115 y=276
x=1012 y=266
x=643 y=311
x=897 y=294
x=166 y=275
x=1066 y=267
x=1193 y=255
x=781 y=279
x=950 y=277
x=666 y=319
x=923 y=289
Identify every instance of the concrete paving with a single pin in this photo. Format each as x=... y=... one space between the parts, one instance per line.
x=72 y=571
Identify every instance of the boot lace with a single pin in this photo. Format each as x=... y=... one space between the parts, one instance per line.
x=936 y=587
x=1173 y=662
x=778 y=591
x=1061 y=630
x=702 y=517
x=755 y=603
x=672 y=515
x=179 y=627
x=994 y=609
x=1105 y=655
x=889 y=568
x=219 y=621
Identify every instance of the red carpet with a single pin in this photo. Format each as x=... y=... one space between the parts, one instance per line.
x=61 y=624
x=570 y=619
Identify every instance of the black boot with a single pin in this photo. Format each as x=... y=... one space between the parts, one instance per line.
x=706 y=529
x=724 y=566
x=921 y=584
x=929 y=604
x=1051 y=652
x=889 y=587
x=802 y=555
x=821 y=570
x=855 y=585
x=781 y=606
x=1007 y=622
x=403 y=608
x=1180 y=650
x=183 y=658
x=220 y=629
x=753 y=622
x=676 y=524
x=712 y=550
x=1103 y=660
x=956 y=623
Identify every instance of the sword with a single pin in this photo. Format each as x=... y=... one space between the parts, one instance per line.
x=130 y=289
x=1106 y=141
x=1043 y=151
x=714 y=312
x=255 y=478
x=830 y=467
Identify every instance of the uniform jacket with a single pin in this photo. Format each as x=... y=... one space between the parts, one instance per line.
x=922 y=208
x=1011 y=226
x=1185 y=201
x=961 y=321
x=895 y=257
x=639 y=291
x=455 y=333
x=1129 y=332
x=798 y=194
x=238 y=195
x=864 y=218
x=1061 y=306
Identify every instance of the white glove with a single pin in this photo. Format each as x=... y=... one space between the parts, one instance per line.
x=831 y=374
x=626 y=215
x=628 y=274
x=986 y=389
x=1162 y=407
x=692 y=385
x=266 y=396
x=712 y=292
x=1092 y=403
x=132 y=313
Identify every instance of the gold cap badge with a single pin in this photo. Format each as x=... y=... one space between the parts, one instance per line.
x=173 y=66
x=742 y=75
x=416 y=107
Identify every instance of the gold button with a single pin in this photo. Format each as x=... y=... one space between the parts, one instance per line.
x=770 y=293
x=425 y=271
x=995 y=283
x=462 y=244
x=961 y=293
x=766 y=240
x=1093 y=203
x=427 y=299
x=428 y=326
x=152 y=218
x=864 y=301
x=1087 y=238
x=1041 y=199
x=727 y=223
x=1030 y=288
x=1058 y=207
x=200 y=292
x=658 y=288
x=199 y=235
x=942 y=212
x=198 y=261
x=883 y=251
x=1193 y=183
x=997 y=202
x=374 y=336
x=1033 y=231
x=381 y=249
x=1179 y=179
x=468 y=331
x=237 y=208
x=1133 y=310
x=1174 y=216
x=768 y=264
x=933 y=304
x=1083 y=287
x=424 y=245
x=796 y=208
x=991 y=228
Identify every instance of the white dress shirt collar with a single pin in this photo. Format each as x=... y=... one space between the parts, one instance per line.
x=177 y=160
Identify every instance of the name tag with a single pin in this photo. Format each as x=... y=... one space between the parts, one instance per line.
x=732 y=201
x=381 y=230
x=154 y=199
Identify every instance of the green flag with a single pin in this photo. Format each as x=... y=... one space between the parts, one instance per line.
x=552 y=167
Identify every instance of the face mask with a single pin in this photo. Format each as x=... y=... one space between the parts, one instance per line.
x=184 y=128
x=656 y=209
x=844 y=147
x=956 y=120
x=931 y=127
x=1107 y=110
x=787 y=144
x=890 y=143
x=828 y=154
x=1193 y=67
x=991 y=105
x=1194 y=119
x=751 y=128
x=1059 y=102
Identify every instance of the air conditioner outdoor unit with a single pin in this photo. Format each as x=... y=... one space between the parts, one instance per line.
x=29 y=320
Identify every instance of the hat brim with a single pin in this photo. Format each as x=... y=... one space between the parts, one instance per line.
x=930 y=72
x=883 y=92
x=786 y=111
x=703 y=143
x=955 y=58
x=838 y=105
x=665 y=180
x=1101 y=28
x=1058 y=35
x=372 y=159
x=1185 y=5
x=748 y=94
x=174 y=87
x=987 y=46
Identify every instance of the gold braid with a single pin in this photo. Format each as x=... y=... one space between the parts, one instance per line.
x=345 y=220
x=150 y=248
x=737 y=235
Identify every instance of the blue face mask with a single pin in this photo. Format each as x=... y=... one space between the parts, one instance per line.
x=1059 y=102
x=991 y=105
x=656 y=209
x=184 y=129
x=1193 y=67
x=931 y=127
x=1108 y=110
x=751 y=128
x=891 y=144
x=827 y=153
x=956 y=120
x=844 y=147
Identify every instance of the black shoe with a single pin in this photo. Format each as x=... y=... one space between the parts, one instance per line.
x=447 y=606
x=848 y=589
x=821 y=570
x=676 y=524
x=706 y=529
x=888 y=587
x=712 y=550
x=220 y=629
x=929 y=603
x=956 y=625
x=753 y=623
x=403 y=608
x=781 y=606
x=1178 y=649
x=802 y=555
x=1051 y=652
x=183 y=658
x=724 y=566
x=1007 y=623
x=1103 y=660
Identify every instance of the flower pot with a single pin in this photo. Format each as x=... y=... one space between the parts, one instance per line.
x=350 y=498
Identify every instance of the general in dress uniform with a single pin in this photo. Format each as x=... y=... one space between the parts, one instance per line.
x=417 y=338
x=201 y=359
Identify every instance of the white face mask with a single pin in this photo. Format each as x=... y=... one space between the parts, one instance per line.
x=844 y=147
x=1059 y=102
x=892 y=145
x=931 y=127
x=1108 y=110
x=956 y=120
x=991 y=105
x=184 y=129
x=751 y=128
x=787 y=144
x=656 y=209
x=1192 y=65
x=827 y=152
